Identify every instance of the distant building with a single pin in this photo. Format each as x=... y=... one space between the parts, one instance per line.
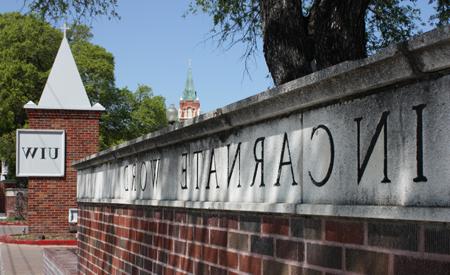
x=189 y=102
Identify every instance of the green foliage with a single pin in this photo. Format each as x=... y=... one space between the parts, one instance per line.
x=77 y=10
x=149 y=112
x=78 y=32
x=7 y=150
x=239 y=21
x=134 y=114
x=234 y=21
x=128 y=115
x=96 y=67
x=14 y=219
x=390 y=21
x=28 y=47
x=387 y=21
x=442 y=16
x=116 y=121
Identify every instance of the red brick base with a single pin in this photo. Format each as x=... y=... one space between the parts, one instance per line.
x=141 y=240
x=49 y=199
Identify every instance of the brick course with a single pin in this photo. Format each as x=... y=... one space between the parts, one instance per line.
x=49 y=199
x=117 y=239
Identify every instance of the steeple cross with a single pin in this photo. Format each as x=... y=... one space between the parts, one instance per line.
x=64 y=28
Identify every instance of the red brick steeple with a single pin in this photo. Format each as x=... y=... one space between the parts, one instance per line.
x=189 y=102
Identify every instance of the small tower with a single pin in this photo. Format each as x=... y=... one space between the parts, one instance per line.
x=64 y=105
x=189 y=102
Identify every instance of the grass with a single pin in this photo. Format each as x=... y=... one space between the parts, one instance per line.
x=13 y=219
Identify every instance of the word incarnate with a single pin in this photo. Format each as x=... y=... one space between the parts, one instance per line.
x=139 y=174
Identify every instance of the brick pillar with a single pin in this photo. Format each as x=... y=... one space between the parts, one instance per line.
x=49 y=199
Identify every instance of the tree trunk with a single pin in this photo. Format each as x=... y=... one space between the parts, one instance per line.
x=285 y=40
x=296 y=45
x=338 y=30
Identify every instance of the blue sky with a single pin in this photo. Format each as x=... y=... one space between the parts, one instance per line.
x=152 y=43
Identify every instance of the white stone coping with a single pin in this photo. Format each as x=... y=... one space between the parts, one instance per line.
x=398 y=63
x=424 y=57
x=426 y=214
x=97 y=107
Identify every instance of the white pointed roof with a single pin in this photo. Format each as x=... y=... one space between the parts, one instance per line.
x=64 y=89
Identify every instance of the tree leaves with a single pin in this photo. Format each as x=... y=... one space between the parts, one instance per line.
x=240 y=21
x=28 y=46
x=387 y=21
x=442 y=16
x=149 y=112
x=76 y=10
x=391 y=21
x=234 y=21
x=133 y=114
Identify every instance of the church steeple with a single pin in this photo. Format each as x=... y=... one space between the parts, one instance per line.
x=189 y=92
x=189 y=103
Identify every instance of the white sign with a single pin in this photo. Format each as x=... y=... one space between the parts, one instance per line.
x=73 y=215
x=40 y=153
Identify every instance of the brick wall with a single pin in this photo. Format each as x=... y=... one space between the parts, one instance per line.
x=115 y=239
x=50 y=198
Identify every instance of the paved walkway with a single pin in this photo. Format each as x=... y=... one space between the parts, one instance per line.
x=20 y=259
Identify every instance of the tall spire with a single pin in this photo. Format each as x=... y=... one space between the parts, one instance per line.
x=189 y=92
x=64 y=88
